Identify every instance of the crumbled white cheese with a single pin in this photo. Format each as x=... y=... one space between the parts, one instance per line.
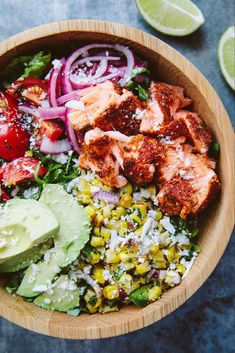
x=40 y=288
x=60 y=158
x=29 y=192
x=75 y=104
x=166 y=223
x=56 y=64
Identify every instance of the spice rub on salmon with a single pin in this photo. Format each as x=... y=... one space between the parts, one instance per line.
x=141 y=156
x=108 y=107
x=100 y=154
x=163 y=102
x=187 y=180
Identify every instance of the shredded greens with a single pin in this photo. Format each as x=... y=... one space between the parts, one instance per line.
x=25 y=66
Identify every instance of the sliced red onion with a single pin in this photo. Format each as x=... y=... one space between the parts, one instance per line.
x=130 y=63
x=93 y=58
x=53 y=86
x=107 y=196
x=28 y=109
x=79 y=82
x=52 y=113
x=71 y=136
x=51 y=147
x=156 y=274
x=66 y=69
x=68 y=97
x=107 y=77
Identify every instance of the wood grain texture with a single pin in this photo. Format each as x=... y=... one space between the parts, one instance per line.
x=218 y=221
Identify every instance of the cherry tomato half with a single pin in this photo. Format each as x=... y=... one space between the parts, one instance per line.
x=14 y=141
x=33 y=89
x=21 y=169
x=8 y=107
x=52 y=129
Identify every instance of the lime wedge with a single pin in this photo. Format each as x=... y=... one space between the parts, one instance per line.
x=173 y=17
x=226 y=52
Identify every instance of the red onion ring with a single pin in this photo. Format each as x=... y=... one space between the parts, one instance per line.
x=53 y=84
x=71 y=136
x=68 y=97
x=52 y=113
x=28 y=109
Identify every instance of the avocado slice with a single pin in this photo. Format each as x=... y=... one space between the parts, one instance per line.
x=26 y=258
x=24 y=224
x=64 y=295
x=73 y=221
x=72 y=236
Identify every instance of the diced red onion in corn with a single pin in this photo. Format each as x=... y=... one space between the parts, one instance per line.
x=52 y=113
x=107 y=196
x=28 y=109
x=51 y=147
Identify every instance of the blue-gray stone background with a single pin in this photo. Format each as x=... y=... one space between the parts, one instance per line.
x=206 y=322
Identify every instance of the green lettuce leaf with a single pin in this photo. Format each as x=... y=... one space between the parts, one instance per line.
x=25 y=66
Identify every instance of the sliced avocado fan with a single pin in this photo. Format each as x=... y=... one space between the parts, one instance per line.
x=74 y=229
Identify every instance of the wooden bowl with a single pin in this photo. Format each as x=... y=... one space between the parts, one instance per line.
x=172 y=67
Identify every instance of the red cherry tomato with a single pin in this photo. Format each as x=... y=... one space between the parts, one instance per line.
x=14 y=141
x=52 y=129
x=21 y=169
x=4 y=196
x=8 y=107
x=33 y=89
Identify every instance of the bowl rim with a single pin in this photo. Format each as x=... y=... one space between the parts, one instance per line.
x=49 y=323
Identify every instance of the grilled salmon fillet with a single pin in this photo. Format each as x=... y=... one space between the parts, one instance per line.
x=187 y=180
x=140 y=156
x=100 y=153
x=195 y=130
x=164 y=101
x=108 y=107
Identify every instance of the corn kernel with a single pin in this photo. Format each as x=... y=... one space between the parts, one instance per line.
x=126 y=282
x=94 y=258
x=127 y=189
x=111 y=292
x=181 y=269
x=91 y=211
x=123 y=228
x=97 y=241
x=135 y=218
x=126 y=200
x=112 y=257
x=160 y=264
x=153 y=248
x=159 y=256
x=92 y=302
x=142 y=208
x=106 y=211
x=99 y=219
x=96 y=182
x=158 y=215
x=142 y=268
x=127 y=256
x=142 y=280
x=112 y=224
x=96 y=231
x=98 y=275
x=84 y=198
x=170 y=253
x=118 y=212
x=105 y=233
x=154 y=293
x=152 y=190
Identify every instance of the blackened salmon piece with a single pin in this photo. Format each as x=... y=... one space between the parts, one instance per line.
x=140 y=157
x=164 y=101
x=177 y=198
x=195 y=130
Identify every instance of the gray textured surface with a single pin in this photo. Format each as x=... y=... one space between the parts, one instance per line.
x=206 y=323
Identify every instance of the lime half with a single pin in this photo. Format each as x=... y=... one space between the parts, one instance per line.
x=227 y=56
x=173 y=17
